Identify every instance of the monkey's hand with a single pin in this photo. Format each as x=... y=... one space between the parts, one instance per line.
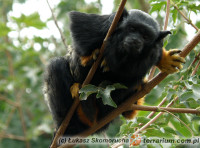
x=105 y=66
x=171 y=61
x=74 y=89
x=86 y=59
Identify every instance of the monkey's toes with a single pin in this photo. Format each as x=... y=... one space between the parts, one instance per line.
x=74 y=89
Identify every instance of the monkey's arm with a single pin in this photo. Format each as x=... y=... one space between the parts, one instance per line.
x=170 y=61
x=85 y=60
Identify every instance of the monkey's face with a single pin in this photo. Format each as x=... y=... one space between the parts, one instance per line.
x=139 y=32
x=138 y=37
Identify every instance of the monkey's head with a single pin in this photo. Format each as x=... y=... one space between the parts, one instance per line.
x=136 y=40
x=135 y=45
x=138 y=31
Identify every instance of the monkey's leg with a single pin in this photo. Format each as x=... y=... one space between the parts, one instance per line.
x=86 y=110
x=86 y=59
x=171 y=62
x=58 y=80
x=133 y=113
x=105 y=66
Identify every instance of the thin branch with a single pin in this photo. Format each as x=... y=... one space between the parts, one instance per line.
x=10 y=61
x=151 y=73
x=153 y=69
x=183 y=15
x=154 y=118
x=163 y=109
x=7 y=123
x=23 y=126
x=159 y=105
x=56 y=23
x=195 y=60
x=90 y=75
x=181 y=122
x=167 y=15
x=14 y=137
x=9 y=101
x=195 y=69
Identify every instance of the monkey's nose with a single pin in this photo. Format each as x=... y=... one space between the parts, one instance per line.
x=136 y=43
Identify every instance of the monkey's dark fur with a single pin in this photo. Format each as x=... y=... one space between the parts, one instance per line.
x=133 y=48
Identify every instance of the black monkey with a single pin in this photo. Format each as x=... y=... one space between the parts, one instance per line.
x=133 y=48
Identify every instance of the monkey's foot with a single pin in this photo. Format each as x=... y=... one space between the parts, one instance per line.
x=105 y=66
x=141 y=86
x=74 y=89
x=133 y=113
x=86 y=59
x=171 y=61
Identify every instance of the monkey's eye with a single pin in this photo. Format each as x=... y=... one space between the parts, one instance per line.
x=132 y=29
x=145 y=37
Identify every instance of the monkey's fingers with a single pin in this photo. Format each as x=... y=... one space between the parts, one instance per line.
x=140 y=86
x=74 y=89
x=85 y=60
x=105 y=66
x=174 y=51
x=171 y=62
x=95 y=54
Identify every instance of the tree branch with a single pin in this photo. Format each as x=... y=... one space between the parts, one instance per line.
x=9 y=101
x=167 y=15
x=183 y=15
x=195 y=69
x=153 y=69
x=56 y=23
x=14 y=137
x=163 y=109
x=23 y=126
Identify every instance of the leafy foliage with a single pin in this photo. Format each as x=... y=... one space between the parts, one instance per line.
x=103 y=93
x=32 y=20
x=23 y=59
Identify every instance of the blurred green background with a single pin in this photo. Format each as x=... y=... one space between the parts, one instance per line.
x=29 y=38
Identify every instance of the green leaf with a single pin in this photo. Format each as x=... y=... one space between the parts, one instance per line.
x=124 y=129
x=119 y=86
x=198 y=24
x=165 y=43
x=174 y=15
x=182 y=130
x=171 y=92
x=157 y=6
x=3 y=29
x=87 y=90
x=105 y=94
x=186 y=95
x=143 y=120
x=196 y=90
x=157 y=133
x=32 y=20
x=169 y=130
